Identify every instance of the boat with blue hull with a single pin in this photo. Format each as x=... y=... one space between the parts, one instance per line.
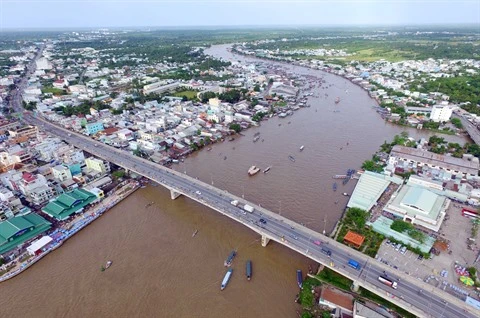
x=249 y=269
x=230 y=258
x=334 y=186
x=226 y=279
x=299 y=278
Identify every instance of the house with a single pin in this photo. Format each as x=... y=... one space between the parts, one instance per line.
x=355 y=239
x=361 y=310
x=61 y=173
x=35 y=187
x=60 y=84
x=125 y=134
x=97 y=165
x=93 y=128
x=336 y=299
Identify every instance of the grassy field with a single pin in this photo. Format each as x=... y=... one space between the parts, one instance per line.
x=53 y=90
x=190 y=94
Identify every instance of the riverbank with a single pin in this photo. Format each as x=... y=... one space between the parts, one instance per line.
x=84 y=219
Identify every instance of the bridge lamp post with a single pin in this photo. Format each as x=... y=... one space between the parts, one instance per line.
x=211 y=178
x=280 y=208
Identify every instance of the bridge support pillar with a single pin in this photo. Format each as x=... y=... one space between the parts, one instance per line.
x=174 y=194
x=355 y=286
x=265 y=240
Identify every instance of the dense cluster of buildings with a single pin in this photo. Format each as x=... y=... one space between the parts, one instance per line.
x=422 y=200
x=43 y=181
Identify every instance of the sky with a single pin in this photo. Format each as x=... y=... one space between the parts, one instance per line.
x=44 y=14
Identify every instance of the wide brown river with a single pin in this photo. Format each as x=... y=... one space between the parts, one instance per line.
x=159 y=270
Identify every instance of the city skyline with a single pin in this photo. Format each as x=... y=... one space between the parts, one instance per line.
x=30 y=14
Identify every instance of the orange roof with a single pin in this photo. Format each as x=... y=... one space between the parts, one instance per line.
x=337 y=297
x=354 y=238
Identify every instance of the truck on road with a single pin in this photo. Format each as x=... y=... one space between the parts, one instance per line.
x=387 y=282
x=248 y=208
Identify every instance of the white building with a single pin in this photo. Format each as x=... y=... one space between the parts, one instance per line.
x=98 y=165
x=441 y=113
x=61 y=173
x=43 y=64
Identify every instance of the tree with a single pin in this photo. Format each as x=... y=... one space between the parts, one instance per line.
x=118 y=174
x=206 y=96
x=456 y=122
x=236 y=127
x=357 y=216
x=256 y=88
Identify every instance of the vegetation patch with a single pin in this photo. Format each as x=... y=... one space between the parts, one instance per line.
x=355 y=220
x=333 y=278
x=402 y=226
x=187 y=94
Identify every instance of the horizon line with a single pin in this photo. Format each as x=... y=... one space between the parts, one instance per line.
x=239 y=26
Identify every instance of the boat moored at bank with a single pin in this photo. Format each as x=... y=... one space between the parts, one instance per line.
x=299 y=278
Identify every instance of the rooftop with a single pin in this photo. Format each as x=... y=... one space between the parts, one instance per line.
x=68 y=203
x=415 y=201
x=17 y=230
x=354 y=238
x=382 y=226
x=369 y=188
x=447 y=162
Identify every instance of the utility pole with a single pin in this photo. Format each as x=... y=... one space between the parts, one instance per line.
x=324 y=224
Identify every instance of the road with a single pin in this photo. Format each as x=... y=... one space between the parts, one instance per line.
x=413 y=295
x=472 y=130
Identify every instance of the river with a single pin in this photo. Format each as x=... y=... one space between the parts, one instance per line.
x=159 y=270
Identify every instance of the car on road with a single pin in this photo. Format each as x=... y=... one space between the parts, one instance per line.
x=294 y=237
x=198 y=192
x=326 y=251
x=317 y=242
x=263 y=221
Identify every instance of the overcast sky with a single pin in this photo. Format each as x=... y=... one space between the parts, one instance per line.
x=110 y=13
